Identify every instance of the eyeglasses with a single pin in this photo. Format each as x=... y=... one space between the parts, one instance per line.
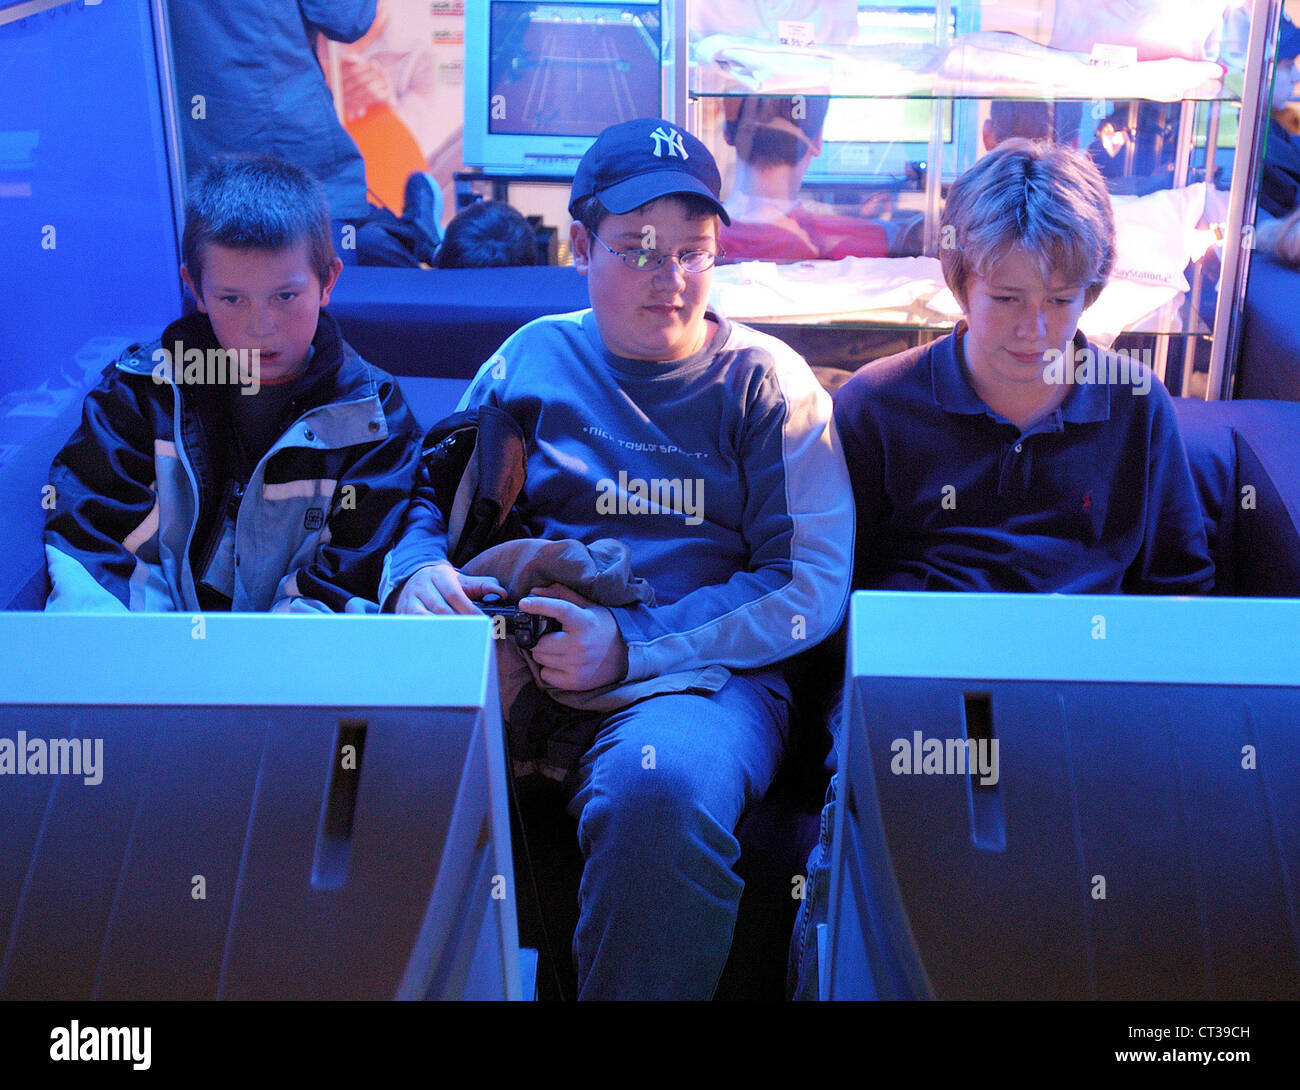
x=689 y=261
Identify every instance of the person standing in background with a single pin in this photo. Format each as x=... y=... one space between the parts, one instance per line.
x=248 y=81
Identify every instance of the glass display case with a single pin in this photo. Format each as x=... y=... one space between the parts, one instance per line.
x=839 y=126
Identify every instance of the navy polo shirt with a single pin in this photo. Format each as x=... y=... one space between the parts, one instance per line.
x=1096 y=498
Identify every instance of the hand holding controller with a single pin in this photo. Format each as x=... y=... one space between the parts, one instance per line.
x=589 y=653
x=525 y=628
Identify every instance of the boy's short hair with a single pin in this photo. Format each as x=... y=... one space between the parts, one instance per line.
x=590 y=212
x=1048 y=200
x=256 y=202
x=767 y=131
x=486 y=234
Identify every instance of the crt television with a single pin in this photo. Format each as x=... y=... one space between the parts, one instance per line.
x=1067 y=797
x=543 y=79
x=253 y=806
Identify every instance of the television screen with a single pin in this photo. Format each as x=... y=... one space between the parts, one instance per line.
x=572 y=69
x=543 y=79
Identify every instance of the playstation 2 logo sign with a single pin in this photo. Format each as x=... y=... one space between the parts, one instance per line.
x=315 y=518
x=668 y=143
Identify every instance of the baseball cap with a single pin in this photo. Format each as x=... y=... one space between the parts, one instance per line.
x=635 y=162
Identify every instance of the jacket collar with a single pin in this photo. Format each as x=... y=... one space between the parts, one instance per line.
x=337 y=382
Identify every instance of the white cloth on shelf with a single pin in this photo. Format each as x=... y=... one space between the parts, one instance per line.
x=981 y=65
x=885 y=289
x=994 y=63
x=895 y=68
x=1157 y=237
x=1122 y=306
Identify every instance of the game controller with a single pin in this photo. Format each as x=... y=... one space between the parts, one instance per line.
x=526 y=628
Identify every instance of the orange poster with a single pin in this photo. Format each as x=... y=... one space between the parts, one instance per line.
x=399 y=92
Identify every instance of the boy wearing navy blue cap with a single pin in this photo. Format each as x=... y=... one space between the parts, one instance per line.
x=708 y=450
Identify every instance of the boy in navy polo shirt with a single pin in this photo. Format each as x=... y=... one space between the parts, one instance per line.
x=747 y=548
x=1014 y=455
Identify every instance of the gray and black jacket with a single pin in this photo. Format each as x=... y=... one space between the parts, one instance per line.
x=139 y=488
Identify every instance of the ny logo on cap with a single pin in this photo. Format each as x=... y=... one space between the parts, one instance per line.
x=672 y=140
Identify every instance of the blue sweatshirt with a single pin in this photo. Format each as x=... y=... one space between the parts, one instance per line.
x=721 y=472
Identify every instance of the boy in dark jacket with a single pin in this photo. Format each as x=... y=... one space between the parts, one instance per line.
x=249 y=459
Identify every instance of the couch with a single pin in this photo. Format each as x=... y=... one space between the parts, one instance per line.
x=1268 y=364
x=1245 y=457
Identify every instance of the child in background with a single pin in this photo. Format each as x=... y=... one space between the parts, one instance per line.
x=487 y=234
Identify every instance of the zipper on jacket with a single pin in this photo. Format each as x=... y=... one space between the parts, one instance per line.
x=178 y=430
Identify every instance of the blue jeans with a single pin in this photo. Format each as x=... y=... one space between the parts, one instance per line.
x=658 y=798
x=802 y=979
x=814 y=908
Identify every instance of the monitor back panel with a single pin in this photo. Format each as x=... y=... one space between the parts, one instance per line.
x=1133 y=836
x=308 y=849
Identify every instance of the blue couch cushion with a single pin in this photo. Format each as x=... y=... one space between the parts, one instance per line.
x=444 y=323
x=1269 y=366
x=1244 y=457
x=1268 y=497
x=1212 y=454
